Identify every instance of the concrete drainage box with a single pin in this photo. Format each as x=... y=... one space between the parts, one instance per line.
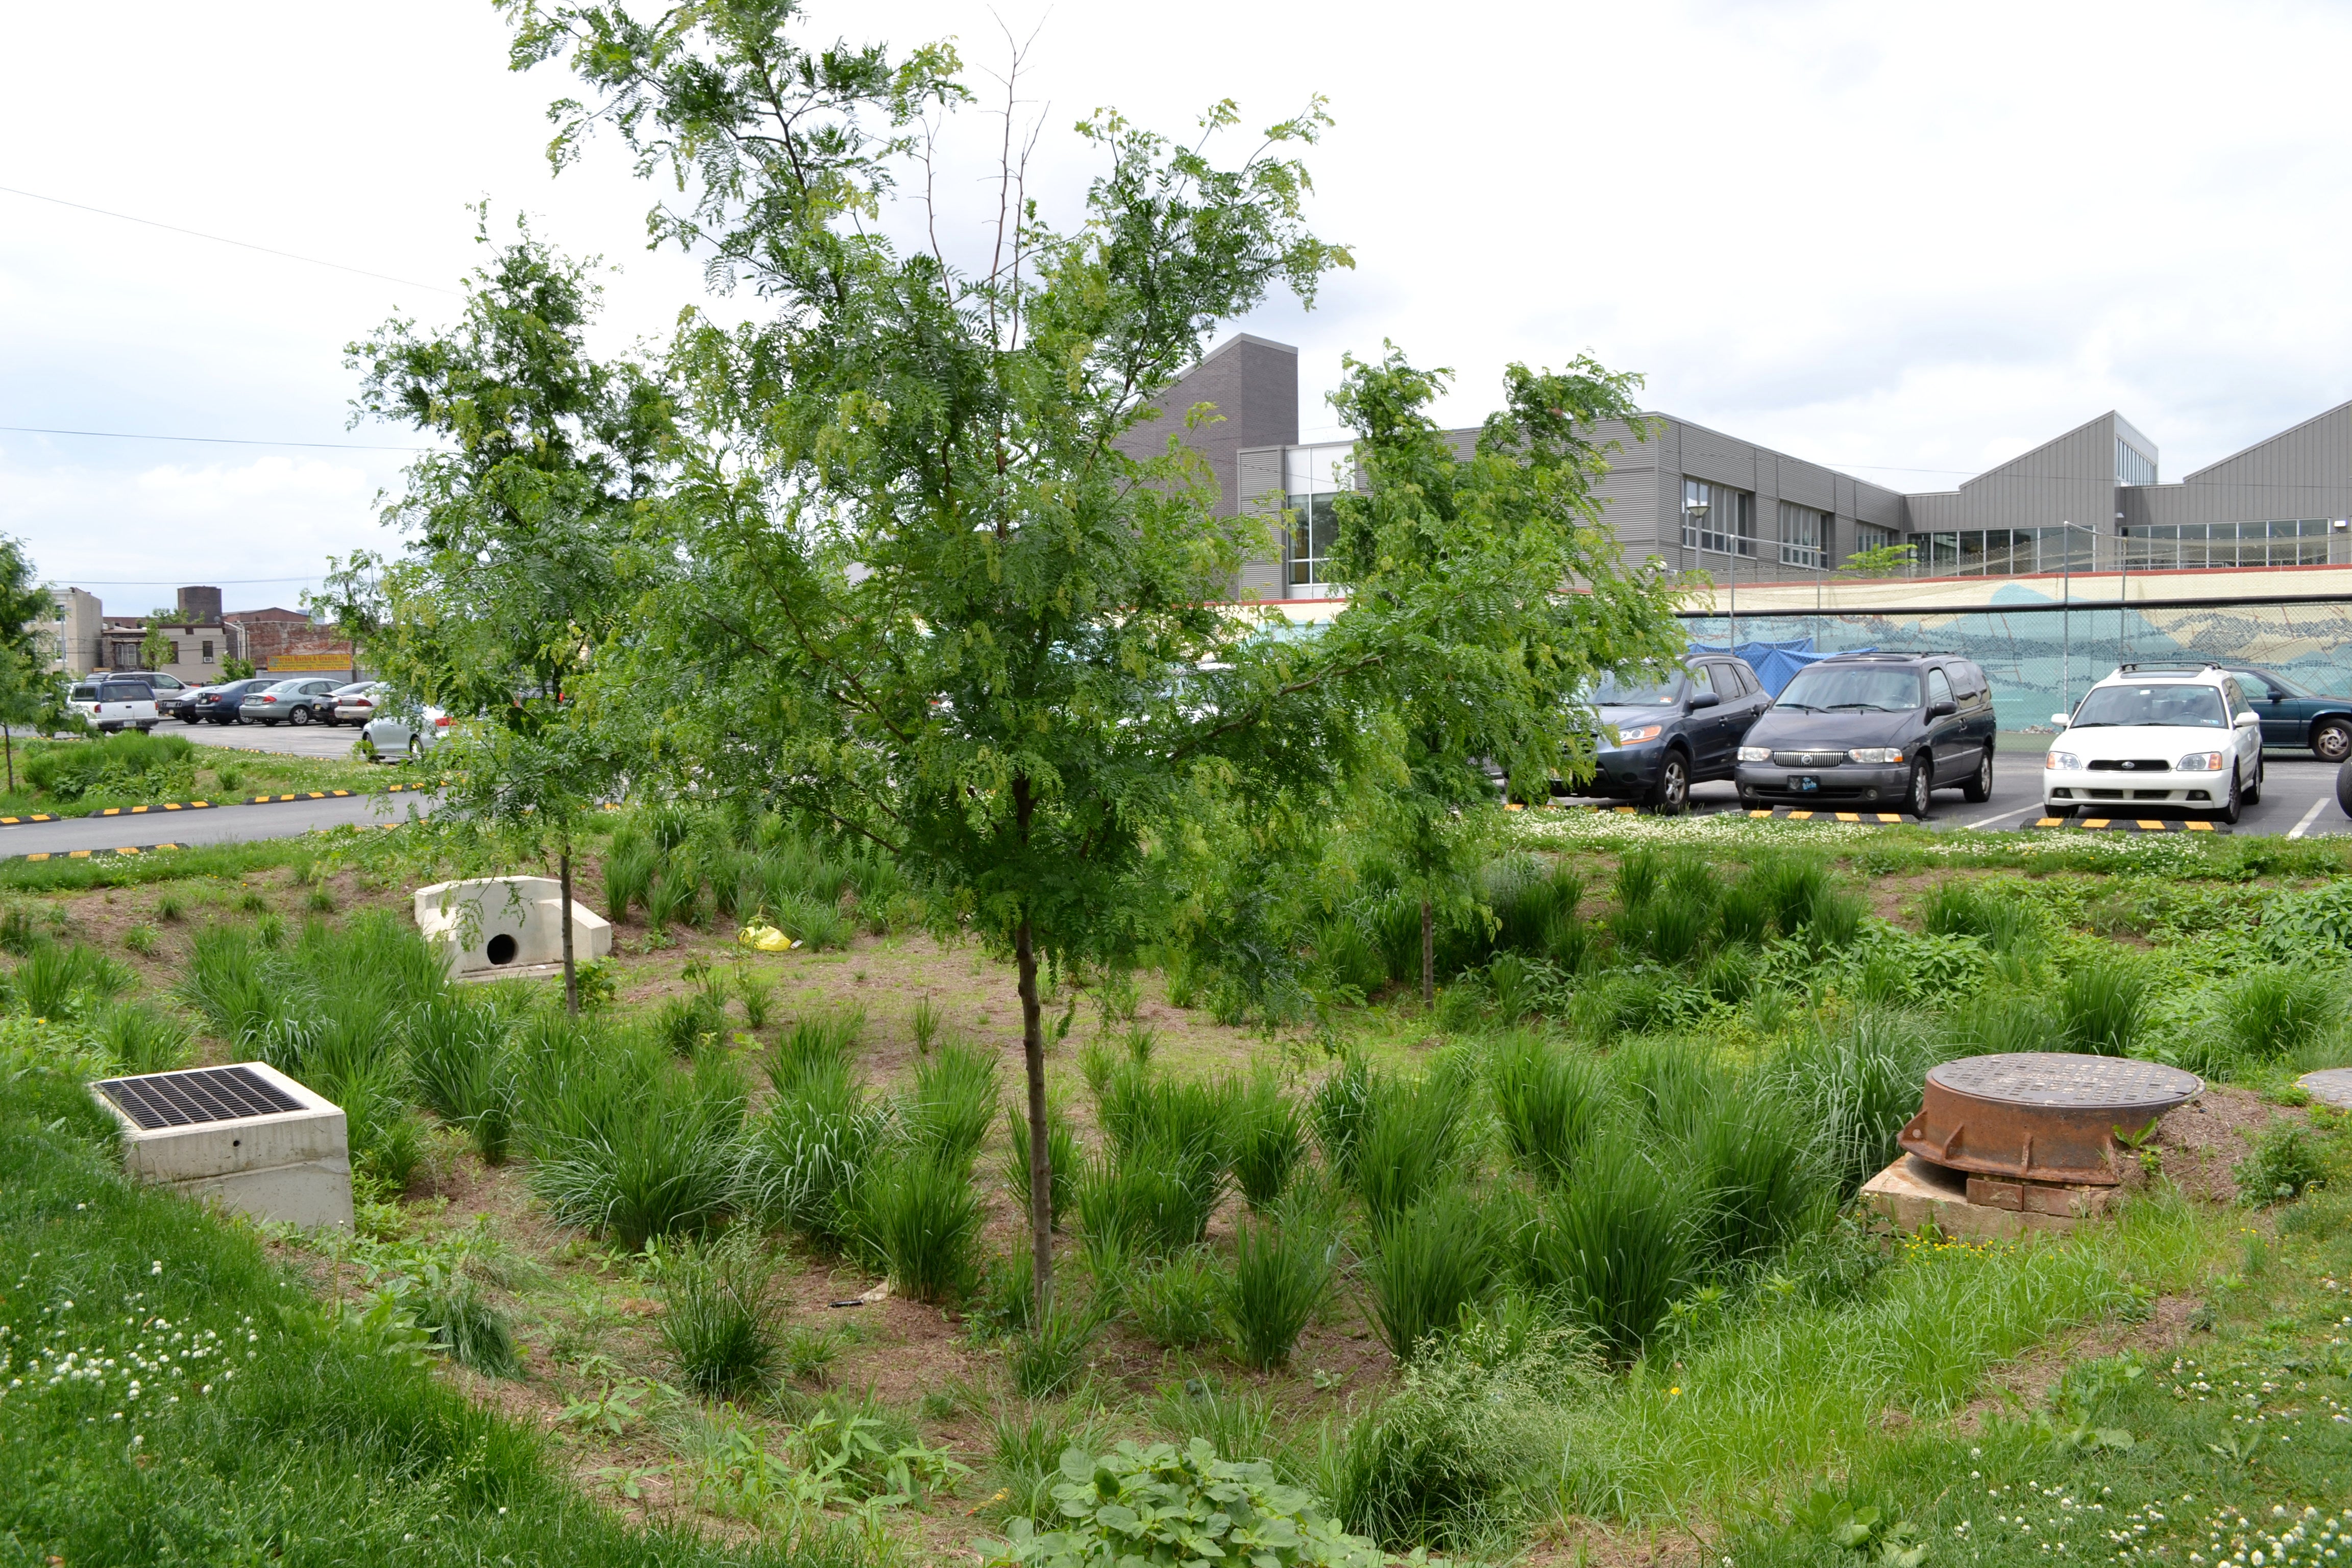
x=246 y=1137
x=499 y=924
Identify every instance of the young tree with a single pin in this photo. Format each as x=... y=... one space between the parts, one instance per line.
x=921 y=589
x=509 y=590
x=1517 y=597
x=29 y=690
x=154 y=648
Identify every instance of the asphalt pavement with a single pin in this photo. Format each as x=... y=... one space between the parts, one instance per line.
x=332 y=741
x=215 y=824
x=2298 y=797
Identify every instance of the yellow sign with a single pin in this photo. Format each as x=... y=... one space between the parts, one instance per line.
x=310 y=661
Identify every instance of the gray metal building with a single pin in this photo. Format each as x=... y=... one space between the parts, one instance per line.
x=2089 y=499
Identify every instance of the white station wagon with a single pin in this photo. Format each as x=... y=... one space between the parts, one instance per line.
x=2142 y=737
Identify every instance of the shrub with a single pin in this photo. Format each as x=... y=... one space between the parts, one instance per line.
x=1269 y=1139
x=1414 y=1136
x=919 y=1220
x=2272 y=1011
x=2283 y=1166
x=1063 y=1160
x=952 y=1105
x=1550 y=1101
x=1157 y=1504
x=132 y=763
x=1174 y=1303
x=718 y=1319
x=142 y=1037
x=805 y=1158
x=1616 y=1245
x=1430 y=1263
x=1280 y=1276
x=2103 y=1006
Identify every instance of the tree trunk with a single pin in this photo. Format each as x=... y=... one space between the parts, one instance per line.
x=1041 y=1163
x=570 y=974
x=1428 y=954
x=8 y=744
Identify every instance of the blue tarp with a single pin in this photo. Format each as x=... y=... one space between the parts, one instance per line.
x=1776 y=663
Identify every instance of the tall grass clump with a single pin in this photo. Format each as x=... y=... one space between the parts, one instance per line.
x=814 y=1038
x=456 y=1050
x=1338 y=1108
x=1550 y=1101
x=2275 y=1010
x=1065 y=1160
x=623 y=1139
x=1639 y=873
x=1269 y=1139
x=1174 y=1302
x=819 y=926
x=806 y=1154
x=949 y=1112
x=1280 y=1278
x=629 y=866
x=1853 y=1087
x=1429 y=1264
x=2103 y=1006
x=1417 y=1134
x=719 y=1321
x=1618 y=1245
x=68 y=981
x=919 y=1220
x=143 y=1039
x=1761 y=1180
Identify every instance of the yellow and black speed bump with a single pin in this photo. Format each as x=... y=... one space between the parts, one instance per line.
x=217 y=804
x=36 y=816
x=1791 y=814
x=2131 y=824
x=93 y=854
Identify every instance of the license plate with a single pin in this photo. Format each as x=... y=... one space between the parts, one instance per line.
x=1805 y=782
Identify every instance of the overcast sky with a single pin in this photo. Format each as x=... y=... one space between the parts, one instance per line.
x=1909 y=242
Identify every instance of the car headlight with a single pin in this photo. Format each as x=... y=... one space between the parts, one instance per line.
x=1640 y=733
x=1876 y=755
x=1755 y=754
x=2062 y=762
x=2201 y=762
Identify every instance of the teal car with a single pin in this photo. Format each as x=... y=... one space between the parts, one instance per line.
x=2292 y=716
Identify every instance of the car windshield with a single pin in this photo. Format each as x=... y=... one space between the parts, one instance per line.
x=1635 y=691
x=2195 y=707
x=1853 y=687
x=82 y=694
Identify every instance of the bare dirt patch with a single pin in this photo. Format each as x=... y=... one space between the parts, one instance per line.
x=2198 y=1143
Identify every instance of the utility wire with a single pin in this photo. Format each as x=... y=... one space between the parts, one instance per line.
x=212 y=440
x=240 y=244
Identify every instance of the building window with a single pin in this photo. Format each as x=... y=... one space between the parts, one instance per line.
x=2133 y=466
x=2301 y=542
x=2001 y=552
x=1802 y=531
x=208 y=651
x=1870 y=536
x=1726 y=526
x=1313 y=477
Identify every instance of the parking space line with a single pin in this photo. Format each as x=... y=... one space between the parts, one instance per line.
x=2004 y=816
x=2300 y=829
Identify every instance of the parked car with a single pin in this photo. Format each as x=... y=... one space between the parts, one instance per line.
x=2172 y=737
x=2294 y=715
x=296 y=701
x=1873 y=730
x=221 y=704
x=393 y=738
x=1658 y=737
x=170 y=689
x=111 y=704
x=355 y=704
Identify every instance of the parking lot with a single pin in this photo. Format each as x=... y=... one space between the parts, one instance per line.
x=2298 y=796
x=333 y=741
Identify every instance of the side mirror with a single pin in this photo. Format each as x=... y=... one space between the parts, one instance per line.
x=2061 y=720
x=1942 y=710
x=2243 y=720
x=1703 y=700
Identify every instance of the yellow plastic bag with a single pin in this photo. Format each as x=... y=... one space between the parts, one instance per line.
x=765 y=939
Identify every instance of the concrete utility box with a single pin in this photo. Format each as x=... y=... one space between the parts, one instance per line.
x=499 y=924
x=246 y=1137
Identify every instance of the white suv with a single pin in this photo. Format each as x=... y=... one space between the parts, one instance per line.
x=2142 y=737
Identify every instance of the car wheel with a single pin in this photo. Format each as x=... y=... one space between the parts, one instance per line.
x=1918 y=797
x=416 y=748
x=2254 y=793
x=2331 y=741
x=1671 y=794
x=1978 y=789
x=2234 y=807
x=2344 y=789
x=301 y=716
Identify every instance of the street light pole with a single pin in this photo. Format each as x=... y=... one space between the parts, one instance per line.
x=2123 y=594
x=1696 y=511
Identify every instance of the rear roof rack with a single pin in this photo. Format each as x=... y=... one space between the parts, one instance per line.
x=1895 y=653
x=2188 y=664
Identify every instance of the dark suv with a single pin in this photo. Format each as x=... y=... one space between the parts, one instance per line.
x=1883 y=729
x=1671 y=733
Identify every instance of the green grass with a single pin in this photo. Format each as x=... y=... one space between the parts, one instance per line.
x=331 y=1443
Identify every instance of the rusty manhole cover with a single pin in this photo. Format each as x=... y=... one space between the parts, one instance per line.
x=2046 y=1116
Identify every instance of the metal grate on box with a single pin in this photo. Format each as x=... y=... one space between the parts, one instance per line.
x=203 y=1094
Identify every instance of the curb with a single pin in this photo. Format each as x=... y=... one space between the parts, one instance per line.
x=2129 y=824
x=1876 y=818
x=91 y=854
x=212 y=804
